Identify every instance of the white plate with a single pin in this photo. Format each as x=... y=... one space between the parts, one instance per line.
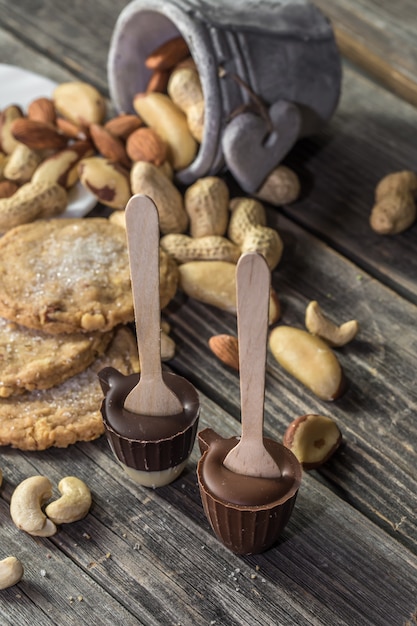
x=19 y=86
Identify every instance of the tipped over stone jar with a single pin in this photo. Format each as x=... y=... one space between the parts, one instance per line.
x=270 y=72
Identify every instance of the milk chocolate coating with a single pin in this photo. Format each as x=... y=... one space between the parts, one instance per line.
x=143 y=442
x=246 y=513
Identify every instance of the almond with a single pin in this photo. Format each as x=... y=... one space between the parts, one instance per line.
x=7 y=188
x=226 y=348
x=122 y=125
x=42 y=110
x=84 y=148
x=70 y=129
x=168 y=54
x=145 y=144
x=37 y=135
x=158 y=81
x=109 y=146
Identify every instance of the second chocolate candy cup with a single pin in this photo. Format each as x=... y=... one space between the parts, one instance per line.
x=247 y=514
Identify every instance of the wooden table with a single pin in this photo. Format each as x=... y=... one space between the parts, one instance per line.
x=348 y=554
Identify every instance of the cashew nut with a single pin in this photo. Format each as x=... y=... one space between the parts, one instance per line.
x=25 y=506
x=74 y=503
x=11 y=571
x=318 y=324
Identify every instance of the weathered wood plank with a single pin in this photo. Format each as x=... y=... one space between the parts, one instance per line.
x=375 y=470
x=380 y=38
x=74 y=35
x=155 y=553
x=371 y=135
x=54 y=590
x=150 y=557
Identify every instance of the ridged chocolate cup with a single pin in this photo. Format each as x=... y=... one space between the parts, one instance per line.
x=148 y=443
x=247 y=527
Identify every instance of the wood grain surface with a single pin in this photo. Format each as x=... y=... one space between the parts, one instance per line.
x=378 y=36
x=348 y=556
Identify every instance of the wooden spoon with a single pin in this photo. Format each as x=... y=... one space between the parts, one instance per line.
x=151 y=396
x=249 y=456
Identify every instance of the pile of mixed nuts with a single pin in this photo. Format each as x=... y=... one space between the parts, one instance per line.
x=66 y=139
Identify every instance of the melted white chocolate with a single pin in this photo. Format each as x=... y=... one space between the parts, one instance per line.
x=154 y=479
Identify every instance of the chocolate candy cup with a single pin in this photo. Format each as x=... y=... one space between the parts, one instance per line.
x=152 y=449
x=246 y=513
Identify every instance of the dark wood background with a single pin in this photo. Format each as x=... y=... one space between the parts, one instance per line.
x=348 y=554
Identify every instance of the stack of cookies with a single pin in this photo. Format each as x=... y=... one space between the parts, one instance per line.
x=65 y=302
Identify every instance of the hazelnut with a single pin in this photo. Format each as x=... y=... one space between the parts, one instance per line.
x=313 y=439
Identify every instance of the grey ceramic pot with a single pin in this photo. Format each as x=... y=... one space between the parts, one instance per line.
x=283 y=51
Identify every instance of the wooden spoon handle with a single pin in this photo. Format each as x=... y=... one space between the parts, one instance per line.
x=142 y=226
x=253 y=285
